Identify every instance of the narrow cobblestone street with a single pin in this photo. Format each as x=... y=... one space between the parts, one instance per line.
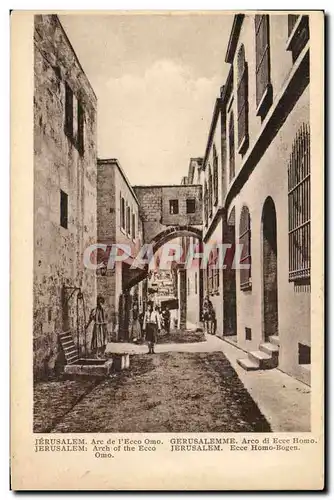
x=191 y=387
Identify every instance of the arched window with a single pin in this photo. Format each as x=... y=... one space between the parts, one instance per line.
x=299 y=199
x=245 y=241
x=215 y=175
x=231 y=147
x=210 y=191
x=242 y=100
x=206 y=203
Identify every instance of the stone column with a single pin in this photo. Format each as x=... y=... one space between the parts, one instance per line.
x=182 y=298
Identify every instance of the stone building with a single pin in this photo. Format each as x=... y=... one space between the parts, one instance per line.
x=64 y=192
x=194 y=281
x=169 y=213
x=118 y=222
x=263 y=192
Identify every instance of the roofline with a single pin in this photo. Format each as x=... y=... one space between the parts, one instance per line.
x=114 y=161
x=166 y=186
x=216 y=111
x=225 y=90
x=233 y=40
x=74 y=53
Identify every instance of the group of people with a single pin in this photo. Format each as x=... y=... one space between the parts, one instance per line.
x=144 y=325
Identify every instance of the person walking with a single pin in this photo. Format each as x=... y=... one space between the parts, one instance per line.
x=151 y=326
x=99 y=335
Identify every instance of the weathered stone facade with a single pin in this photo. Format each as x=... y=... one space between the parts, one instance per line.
x=113 y=228
x=60 y=166
x=155 y=211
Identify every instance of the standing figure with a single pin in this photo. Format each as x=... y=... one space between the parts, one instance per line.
x=135 y=325
x=141 y=322
x=213 y=320
x=207 y=314
x=99 y=336
x=166 y=318
x=151 y=326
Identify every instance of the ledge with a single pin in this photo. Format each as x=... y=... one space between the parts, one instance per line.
x=244 y=145
x=265 y=102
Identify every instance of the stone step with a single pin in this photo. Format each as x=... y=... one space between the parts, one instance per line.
x=269 y=348
x=247 y=364
x=274 y=339
x=264 y=360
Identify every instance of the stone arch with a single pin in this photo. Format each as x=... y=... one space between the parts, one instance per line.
x=157 y=242
x=174 y=232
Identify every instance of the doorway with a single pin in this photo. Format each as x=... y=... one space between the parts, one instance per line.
x=229 y=279
x=269 y=269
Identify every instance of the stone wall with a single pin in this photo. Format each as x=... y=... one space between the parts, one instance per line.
x=154 y=202
x=58 y=165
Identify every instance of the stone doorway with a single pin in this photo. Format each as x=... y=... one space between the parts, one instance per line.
x=229 y=280
x=269 y=269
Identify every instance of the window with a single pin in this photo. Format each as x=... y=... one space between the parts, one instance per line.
x=210 y=192
x=133 y=230
x=245 y=241
x=242 y=101
x=68 y=111
x=231 y=147
x=191 y=206
x=213 y=278
x=216 y=276
x=128 y=216
x=122 y=213
x=299 y=200
x=248 y=333
x=174 y=207
x=63 y=209
x=81 y=128
x=215 y=175
x=298 y=34
x=292 y=19
x=74 y=119
x=304 y=354
x=263 y=86
x=209 y=274
x=206 y=203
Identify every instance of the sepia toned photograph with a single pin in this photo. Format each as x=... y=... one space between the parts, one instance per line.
x=172 y=223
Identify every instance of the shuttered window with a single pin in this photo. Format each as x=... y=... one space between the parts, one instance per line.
x=122 y=212
x=292 y=19
x=210 y=191
x=262 y=49
x=215 y=175
x=299 y=200
x=206 y=203
x=242 y=100
x=231 y=147
x=245 y=241
x=74 y=119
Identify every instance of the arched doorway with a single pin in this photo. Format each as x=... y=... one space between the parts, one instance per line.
x=269 y=269
x=229 y=279
x=133 y=276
